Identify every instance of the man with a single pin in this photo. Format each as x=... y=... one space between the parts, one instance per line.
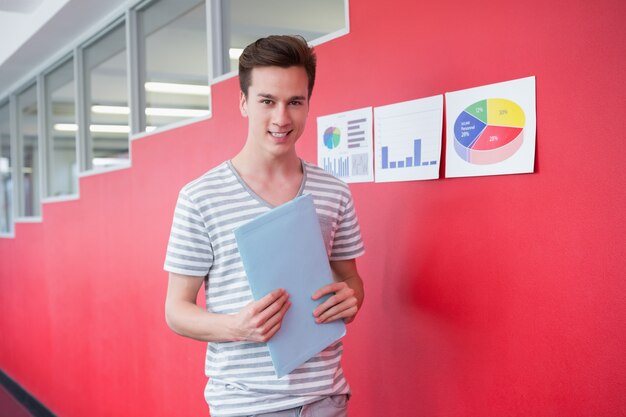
x=277 y=74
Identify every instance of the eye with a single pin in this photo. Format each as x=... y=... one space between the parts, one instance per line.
x=266 y=101
x=296 y=103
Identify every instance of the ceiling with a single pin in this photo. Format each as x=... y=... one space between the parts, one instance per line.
x=41 y=32
x=22 y=6
x=37 y=31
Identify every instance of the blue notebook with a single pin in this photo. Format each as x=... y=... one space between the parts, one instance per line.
x=284 y=248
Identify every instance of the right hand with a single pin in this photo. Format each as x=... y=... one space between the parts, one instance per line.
x=260 y=320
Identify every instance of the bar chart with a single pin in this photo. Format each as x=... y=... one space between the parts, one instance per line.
x=356 y=133
x=410 y=161
x=408 y=140
x=339 y=167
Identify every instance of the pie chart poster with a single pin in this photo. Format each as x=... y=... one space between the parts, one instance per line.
x=490 y=130
x=345 y=145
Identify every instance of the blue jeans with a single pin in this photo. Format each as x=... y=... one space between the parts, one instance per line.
x=334 y=406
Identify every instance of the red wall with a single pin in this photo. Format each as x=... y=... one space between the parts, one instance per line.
x=488 y=296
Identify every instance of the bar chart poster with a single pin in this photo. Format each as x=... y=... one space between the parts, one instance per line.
x=408 y=140
x=345 y=145
x=491 y=129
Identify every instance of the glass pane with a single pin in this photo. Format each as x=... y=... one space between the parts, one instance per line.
x=62 y=175
x=106 y=88
x=245 y=21
x=6 y=186
x=28 y=165
x=175 y=43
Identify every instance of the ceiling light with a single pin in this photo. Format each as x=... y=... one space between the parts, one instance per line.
x=234 y=53
x=65 y=127
x=4 y=165
x=70 y=127
x=110 y=109
x=175 y=88
x=109 y=128
x=105 y=162
x=153 y=111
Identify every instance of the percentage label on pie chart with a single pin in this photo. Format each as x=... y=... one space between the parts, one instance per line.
x=332 y=136
x=489 y=131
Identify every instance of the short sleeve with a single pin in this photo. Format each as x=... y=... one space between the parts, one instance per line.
x=347 y=242
x=189 y=250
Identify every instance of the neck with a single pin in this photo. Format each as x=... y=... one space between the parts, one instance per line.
x=251 y=161
x=276 y=180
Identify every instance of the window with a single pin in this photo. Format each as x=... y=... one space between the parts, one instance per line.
x=61 y=168
x=6 y=186
x=85 y=113
x=106 y=88
x=173 y=40
x=28 y=161
x=244 y=21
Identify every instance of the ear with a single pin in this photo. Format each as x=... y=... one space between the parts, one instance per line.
x=243 y=104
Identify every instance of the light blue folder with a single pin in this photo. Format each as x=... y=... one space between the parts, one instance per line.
x=284 y=248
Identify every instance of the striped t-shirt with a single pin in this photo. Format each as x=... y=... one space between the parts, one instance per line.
x=242 y=378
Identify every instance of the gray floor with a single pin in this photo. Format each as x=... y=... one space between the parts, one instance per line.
x=10 y=407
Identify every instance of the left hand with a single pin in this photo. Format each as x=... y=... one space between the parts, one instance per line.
x=343 y=304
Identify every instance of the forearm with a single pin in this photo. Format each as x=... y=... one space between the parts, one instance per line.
x=356 y=284
x=257 y=321
x=190 y=320
x=347 y=294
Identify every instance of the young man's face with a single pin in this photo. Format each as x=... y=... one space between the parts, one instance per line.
x=276 y=107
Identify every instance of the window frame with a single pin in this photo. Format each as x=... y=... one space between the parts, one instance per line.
x=9 y=102
x=85 y=137
x=139 y=64
x=124 y=14
x=46 y=130
x=18 y=183
x=216 y=45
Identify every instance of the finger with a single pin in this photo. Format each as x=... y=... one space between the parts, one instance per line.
x=274 y=324
x=268 y=300
x=337 y=314
x=270 y=311
x=329 y=289
x=278 y=316
x=337 y=298
x=271 y=332
x=325 y=311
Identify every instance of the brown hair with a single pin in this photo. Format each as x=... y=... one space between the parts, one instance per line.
x=277 y=50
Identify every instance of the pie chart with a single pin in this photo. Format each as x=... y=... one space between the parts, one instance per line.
x=331 y=137
x=489 y=131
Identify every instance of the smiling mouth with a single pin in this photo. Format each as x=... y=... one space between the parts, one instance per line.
x=279 y=134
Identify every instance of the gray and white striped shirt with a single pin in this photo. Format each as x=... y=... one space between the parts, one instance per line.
x=242 y=378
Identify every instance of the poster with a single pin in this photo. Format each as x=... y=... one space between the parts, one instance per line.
x=408 y=140
x=344 y=145
x=490 y=130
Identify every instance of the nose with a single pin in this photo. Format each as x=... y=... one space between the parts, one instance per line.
x=280 y=116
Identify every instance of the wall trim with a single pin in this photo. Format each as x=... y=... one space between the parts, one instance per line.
x=36 y=408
